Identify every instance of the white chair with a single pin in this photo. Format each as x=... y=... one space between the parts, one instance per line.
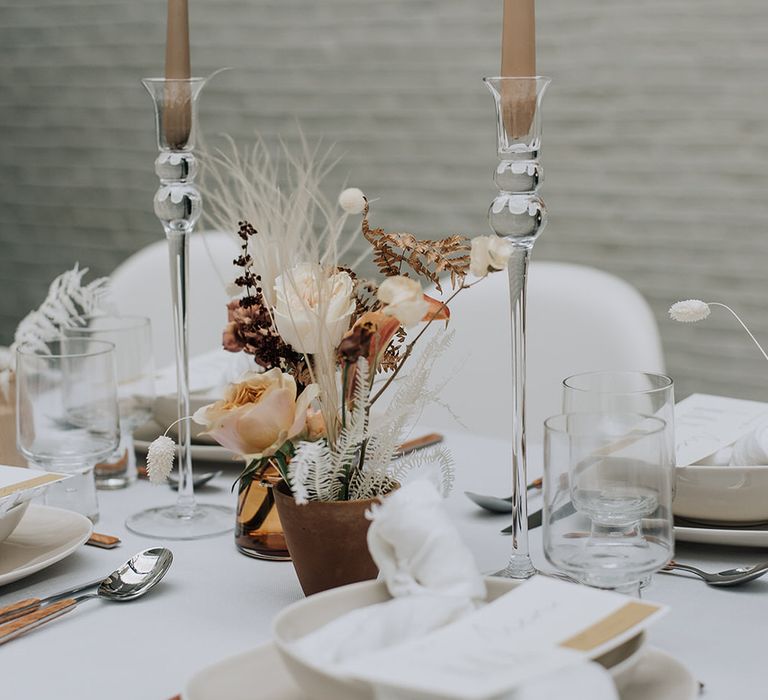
x=579 y=319
x=141 y=286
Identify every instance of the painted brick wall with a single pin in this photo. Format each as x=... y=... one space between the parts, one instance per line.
x=656 y=141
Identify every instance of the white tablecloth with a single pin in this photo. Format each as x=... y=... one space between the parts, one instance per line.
x=215 y=602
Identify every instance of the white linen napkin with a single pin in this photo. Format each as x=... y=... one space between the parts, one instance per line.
x=752 y=448
x=429 y=572
x=418 y=549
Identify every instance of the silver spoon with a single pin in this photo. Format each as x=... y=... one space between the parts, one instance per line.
x=729 y=577
x=137 y=576
x=496 y=504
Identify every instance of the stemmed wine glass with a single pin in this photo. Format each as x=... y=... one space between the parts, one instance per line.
x=67 y=414
x=607 y=497
x=132 y=338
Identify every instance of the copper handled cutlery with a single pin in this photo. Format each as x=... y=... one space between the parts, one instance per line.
x=137 y=576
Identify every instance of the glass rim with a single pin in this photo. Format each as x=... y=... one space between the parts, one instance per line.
x=26 y=350
x=528 y=78
x=668 y=382
x=660 y=423
x=160 y=80
x=140 y=322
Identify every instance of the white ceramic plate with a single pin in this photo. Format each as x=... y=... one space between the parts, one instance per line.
x=718 y=494
x=261 y=673
x=44 y=536
x=746 y=536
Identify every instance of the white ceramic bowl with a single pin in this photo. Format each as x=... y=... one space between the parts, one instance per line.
x=307 y=615
x=11 y=519
x=717 y=494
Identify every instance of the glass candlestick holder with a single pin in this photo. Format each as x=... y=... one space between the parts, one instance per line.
x=178 y=206
x=518 y=215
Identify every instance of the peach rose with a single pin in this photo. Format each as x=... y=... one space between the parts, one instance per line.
x=259 y=414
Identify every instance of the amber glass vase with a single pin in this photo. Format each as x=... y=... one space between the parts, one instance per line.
x=258 y=532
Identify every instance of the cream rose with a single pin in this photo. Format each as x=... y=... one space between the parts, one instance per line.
x=402 y=298
x=259 y=414
x=313 y=308
x=489 y=254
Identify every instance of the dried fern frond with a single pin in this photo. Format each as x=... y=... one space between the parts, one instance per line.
x=436 y=464
x=320 y=471
x=376 y=475
x=311 y=473
x=428 y=258
x=67 y=303
x=346 y=450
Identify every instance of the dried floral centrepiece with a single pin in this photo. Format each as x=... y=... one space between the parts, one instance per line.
x=329 y=344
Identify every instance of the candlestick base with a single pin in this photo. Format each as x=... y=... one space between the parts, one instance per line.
x=519 y=566
x=174 y=523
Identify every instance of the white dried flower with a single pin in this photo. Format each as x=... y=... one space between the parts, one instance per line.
x=692 y=310
x=689 y=311
x=160 y=456
x=403 y=299
x=489 y=254
x=352 y=200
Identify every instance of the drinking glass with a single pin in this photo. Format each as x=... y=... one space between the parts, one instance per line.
x=623 y=392
x=607 y=497
x=132 y=338
x=67 y=415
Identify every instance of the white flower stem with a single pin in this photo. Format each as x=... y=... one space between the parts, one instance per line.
x=743 y=325
x=176 y=422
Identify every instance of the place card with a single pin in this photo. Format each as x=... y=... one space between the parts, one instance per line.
x=705 y=424
x=16 y=483
x=540 y=627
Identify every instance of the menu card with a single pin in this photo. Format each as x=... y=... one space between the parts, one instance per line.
x=705 y=424
x=18 y=484
x=539 y=627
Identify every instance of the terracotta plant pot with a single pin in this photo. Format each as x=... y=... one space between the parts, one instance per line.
x=327 y=541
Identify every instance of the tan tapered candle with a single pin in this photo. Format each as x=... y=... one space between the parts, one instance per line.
x=178 y=115
x=518 y=59
x=518 y=39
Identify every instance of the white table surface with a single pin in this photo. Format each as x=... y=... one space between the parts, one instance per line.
x=215 y=602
